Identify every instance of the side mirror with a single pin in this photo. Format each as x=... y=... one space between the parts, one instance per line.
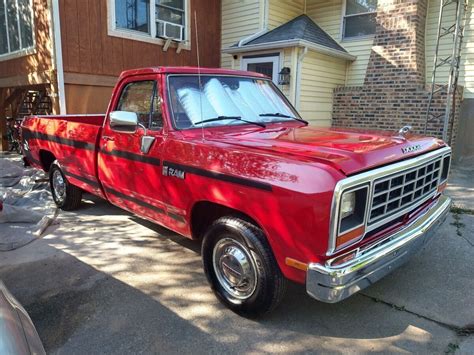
x=124 y=120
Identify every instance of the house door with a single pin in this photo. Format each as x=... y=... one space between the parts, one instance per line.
x=266 y=64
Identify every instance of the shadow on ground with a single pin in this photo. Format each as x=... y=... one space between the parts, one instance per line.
x=108 y=282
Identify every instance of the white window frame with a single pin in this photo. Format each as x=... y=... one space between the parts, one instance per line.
x=23 y=51
x=343 y=24
x=263 y=59
x=114 y=31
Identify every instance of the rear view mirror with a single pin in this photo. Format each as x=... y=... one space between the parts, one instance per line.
x=124 y=120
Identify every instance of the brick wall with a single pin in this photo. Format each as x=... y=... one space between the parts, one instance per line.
x=394 y=92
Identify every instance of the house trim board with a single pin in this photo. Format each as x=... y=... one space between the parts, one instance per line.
x=90 y=79
x=290 y=43
x=57 y=54
x=36 y=78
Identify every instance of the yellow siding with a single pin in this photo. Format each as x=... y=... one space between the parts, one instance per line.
x=319 y=76
x=466 y=77
x=280 y=12
x=328 y=15
x=286 y=62
x=240 y=18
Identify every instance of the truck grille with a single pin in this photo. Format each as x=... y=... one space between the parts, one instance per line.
x=394 y=193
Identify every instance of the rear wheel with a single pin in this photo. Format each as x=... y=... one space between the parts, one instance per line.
x=66 y=196
x=241 y=268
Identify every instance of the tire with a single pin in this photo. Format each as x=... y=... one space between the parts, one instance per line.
x=66 y=196
x=231 y=241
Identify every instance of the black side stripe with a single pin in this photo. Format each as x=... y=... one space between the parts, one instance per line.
x=82 y=178
x=27 y=134
x=177 y=217
x=134 y=200
x=220 y=176
x=132 y=156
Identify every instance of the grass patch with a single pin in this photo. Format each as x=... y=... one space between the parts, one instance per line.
x=458 y=224
x=451 y=349
x=460 y=210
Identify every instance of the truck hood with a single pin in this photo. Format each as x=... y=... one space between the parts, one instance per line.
x=350 y=151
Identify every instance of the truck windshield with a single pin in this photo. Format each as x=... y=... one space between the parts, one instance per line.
x=250 y=99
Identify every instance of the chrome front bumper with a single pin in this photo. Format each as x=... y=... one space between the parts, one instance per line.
x=333 y=283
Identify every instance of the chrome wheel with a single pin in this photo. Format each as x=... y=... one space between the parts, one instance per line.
x=59 y=186
x=235 y=268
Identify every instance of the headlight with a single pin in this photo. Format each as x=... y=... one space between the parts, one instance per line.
x=352 y=208
x=348 y=204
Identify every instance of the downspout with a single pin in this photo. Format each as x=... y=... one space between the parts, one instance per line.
x=299 y=67
x=57 y=54
x=266 y=11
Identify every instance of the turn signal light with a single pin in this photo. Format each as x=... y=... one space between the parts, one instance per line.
x=296 y=264
x=345 y=238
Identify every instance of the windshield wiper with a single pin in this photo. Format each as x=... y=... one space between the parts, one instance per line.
x=279 y=114
x=223 y=118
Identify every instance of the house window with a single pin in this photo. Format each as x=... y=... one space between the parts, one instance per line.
x=133 y=15
x=170 y=17
x=16 y=27
x=359 y=18
x=156 y=20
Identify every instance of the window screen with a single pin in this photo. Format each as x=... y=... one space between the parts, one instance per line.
x=170 y=17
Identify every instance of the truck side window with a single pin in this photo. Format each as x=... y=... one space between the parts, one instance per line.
x=137 y=97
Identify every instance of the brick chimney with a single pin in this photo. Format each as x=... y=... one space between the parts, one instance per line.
x=394 y=93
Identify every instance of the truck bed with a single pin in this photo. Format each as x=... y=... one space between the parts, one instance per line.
x=70 y=139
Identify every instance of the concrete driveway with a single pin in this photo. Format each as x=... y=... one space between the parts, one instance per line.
x=105 y=281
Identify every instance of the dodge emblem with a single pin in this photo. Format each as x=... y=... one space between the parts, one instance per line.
x=411 y=149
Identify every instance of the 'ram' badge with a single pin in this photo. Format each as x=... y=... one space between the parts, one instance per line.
x=169 y=171
x=411 y=148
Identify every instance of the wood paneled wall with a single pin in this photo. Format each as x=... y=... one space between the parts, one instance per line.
x=88 y=49
x=39 y=61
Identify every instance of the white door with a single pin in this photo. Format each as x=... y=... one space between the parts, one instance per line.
x=268 y=65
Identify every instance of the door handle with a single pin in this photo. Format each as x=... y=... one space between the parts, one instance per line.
x=108 y=138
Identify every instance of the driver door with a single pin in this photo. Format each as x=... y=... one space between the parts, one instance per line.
x=131 y=176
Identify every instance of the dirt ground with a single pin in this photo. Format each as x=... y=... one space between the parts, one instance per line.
x=104 y=281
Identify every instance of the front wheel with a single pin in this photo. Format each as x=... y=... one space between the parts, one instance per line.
x=241 y=268
x=66 y=196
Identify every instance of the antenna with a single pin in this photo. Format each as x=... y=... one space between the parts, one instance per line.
x=199 y=73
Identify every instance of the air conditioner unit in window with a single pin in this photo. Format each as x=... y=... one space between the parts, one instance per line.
x=169 y=30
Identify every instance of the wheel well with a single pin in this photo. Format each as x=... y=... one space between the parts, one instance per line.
x=46 y=158
x=204 y=213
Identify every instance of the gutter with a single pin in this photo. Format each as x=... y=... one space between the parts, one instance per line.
x=290 y=43
x=247 y=39
x=57 y=54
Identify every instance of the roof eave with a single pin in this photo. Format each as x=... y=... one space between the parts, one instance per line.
x=290 y=43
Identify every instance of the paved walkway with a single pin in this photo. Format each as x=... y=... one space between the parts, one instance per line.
x=461 y=184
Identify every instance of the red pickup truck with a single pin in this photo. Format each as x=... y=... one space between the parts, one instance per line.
x=223 y=156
